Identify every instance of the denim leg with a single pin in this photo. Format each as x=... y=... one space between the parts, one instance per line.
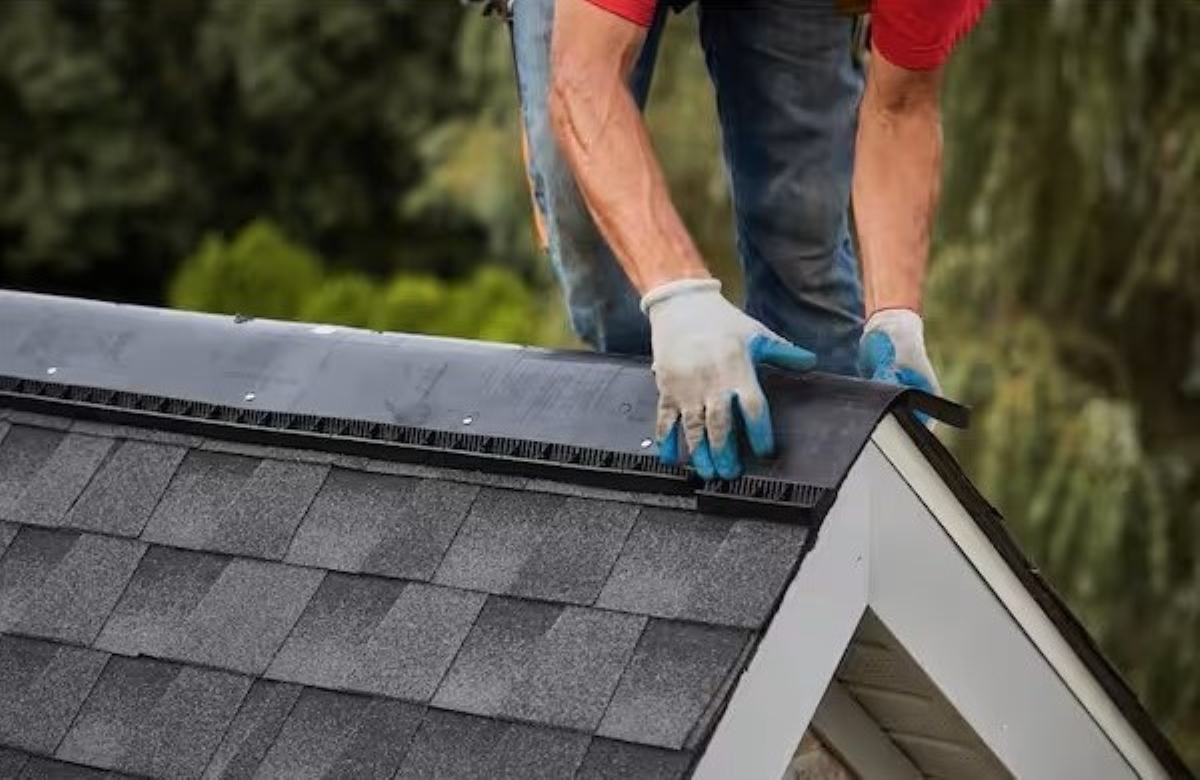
x=788 y=93
x=602 y=303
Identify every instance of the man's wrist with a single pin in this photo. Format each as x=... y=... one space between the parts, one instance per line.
x=895 y=319
x=676 y=288
x=652 y=279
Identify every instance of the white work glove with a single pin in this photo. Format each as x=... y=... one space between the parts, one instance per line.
x=705 y=355
x=893 y=350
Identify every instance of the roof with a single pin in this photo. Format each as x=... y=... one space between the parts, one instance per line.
x=175 y=605
x=232 y=548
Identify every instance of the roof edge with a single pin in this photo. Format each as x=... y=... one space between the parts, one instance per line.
x=992 y=525
x=577 y=416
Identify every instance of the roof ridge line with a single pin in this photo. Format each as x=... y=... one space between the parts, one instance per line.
x=769 y=497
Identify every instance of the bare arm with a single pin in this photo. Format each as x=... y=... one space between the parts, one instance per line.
x=897 y=179
x=604 y=138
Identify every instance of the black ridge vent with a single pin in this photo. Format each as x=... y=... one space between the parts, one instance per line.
x=777 y=499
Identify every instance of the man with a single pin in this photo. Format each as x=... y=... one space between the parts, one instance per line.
x=791 y=105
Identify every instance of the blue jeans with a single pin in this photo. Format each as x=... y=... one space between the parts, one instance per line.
x=787 y=93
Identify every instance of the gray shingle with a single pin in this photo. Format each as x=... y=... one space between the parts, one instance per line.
x=267 y=452
x=577 y=550
x=463 y=747
x=165 y=589
x=748 y=574
x=666 y=555
x=62 y=479
x=62 y=585
x=422 y=530
x=378 y=636
x=154 y=718
x=44 y=485
x=11 y=761
x=330 y=735
x=607 y=760
x=576 y=669
x=678 y=564
x=38 y=420
x=135 y=433
x=234 y=504
x=675 y=672
x=49 y=769
x=387 y=525
x=243 y=619
x=42 y=687
x=499 y=535
x=266 y=513
x=23 y=452
x=7 y=532
x=232 y=614
x=413 y=646
x=123 y=494
x=495 y=655
x=325 y=646
x=252 y=732
x=538 y=545
x=663 y=500
x=542 y=663
x=204 y=486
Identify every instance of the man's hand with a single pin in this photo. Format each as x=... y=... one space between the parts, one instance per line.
x=705 y=355
x=893 y=350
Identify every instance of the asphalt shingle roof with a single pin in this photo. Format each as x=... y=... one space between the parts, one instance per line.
x=173 y=606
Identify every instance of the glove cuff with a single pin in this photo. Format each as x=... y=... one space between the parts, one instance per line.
x=677 y=288
x=896 y=321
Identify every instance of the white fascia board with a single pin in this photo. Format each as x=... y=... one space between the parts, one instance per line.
x=904 y=596
x=796 y=659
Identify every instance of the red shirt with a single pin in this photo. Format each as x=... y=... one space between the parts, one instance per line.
x=913 y=34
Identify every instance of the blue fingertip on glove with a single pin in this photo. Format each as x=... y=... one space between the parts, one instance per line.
x=725 y=460
x=877 y=361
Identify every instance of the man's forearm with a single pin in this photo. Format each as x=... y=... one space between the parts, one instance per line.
x=603 y=136
x=897 y=180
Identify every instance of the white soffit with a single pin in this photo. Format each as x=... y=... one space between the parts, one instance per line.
x=861 y=745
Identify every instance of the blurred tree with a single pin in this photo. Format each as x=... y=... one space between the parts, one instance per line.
x=1065 y=306
x=261 y=272
x=348 y=299
x=129 y=128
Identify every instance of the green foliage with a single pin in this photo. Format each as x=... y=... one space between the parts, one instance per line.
x=1065 y=306
x=347 y=299
x=261 y=272
x=131 y=128
x=412 y=304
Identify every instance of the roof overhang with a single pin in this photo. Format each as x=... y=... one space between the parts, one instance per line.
x=903 y=583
